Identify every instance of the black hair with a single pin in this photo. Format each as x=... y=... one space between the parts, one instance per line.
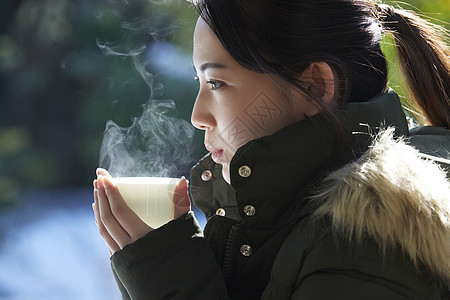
x=284 y=37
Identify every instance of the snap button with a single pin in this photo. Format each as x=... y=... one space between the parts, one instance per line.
x=206 y=175
x=221 y=212
x=249 y=210
x=245 y=171
x=246 y=250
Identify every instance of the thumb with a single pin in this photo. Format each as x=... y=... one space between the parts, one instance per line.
x=181 y=201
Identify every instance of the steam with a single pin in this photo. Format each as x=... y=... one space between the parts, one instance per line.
x=157 y=143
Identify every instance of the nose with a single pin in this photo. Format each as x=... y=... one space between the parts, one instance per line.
x=202 y=116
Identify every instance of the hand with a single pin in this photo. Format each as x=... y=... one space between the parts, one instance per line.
x=117 y=223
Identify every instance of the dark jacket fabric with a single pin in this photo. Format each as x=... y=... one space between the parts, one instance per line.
x=320 y=212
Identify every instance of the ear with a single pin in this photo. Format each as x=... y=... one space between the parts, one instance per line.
x=320 y=81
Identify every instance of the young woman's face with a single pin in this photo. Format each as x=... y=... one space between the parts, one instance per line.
x=235 y=105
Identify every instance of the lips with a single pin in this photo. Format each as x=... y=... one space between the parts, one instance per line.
x=216 y=154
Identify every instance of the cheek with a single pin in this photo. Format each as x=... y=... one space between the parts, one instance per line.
x=252 y=113
x=237 y=131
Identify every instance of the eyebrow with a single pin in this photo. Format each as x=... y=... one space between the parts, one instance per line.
x=206 y=66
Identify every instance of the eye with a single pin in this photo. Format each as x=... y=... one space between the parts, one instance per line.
x=214 y=85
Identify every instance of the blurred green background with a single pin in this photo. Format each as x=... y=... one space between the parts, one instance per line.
x=58 y=89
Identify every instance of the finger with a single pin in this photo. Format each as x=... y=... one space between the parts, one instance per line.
x=102 y=172
x=181 y=201
x=126 y=217
x=111 y=245
x=116 y=231
x=110 y=242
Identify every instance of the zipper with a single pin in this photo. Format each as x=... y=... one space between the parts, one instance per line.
x=228 y=261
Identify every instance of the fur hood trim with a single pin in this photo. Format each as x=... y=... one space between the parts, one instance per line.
x=395 y=196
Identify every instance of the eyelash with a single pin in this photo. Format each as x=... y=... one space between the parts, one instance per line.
x=212 y=83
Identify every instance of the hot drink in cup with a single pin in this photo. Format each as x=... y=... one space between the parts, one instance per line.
x=151 y=198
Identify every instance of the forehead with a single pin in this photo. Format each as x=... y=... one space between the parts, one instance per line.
x=207 y=47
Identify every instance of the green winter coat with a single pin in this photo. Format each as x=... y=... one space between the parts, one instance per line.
x=315 y=211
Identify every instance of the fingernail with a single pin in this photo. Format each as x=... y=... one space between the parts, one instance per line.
x=95 y=184
x=93 y=205
x=100 y=182
x=184 y=178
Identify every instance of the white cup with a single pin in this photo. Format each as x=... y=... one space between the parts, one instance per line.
x=151 y=198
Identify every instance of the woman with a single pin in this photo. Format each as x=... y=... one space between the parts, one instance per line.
x=314 y=187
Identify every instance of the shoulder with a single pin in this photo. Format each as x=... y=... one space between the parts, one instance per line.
x=398 y=198
x=317 y=263
x=383 y=220
x=433 y=142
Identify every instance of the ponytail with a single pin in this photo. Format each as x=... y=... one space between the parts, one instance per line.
x=425 y=61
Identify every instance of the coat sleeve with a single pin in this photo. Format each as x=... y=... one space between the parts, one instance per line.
x=171 y=262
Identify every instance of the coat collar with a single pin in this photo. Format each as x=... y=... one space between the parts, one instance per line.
x=401 y=201
x=285 y=165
